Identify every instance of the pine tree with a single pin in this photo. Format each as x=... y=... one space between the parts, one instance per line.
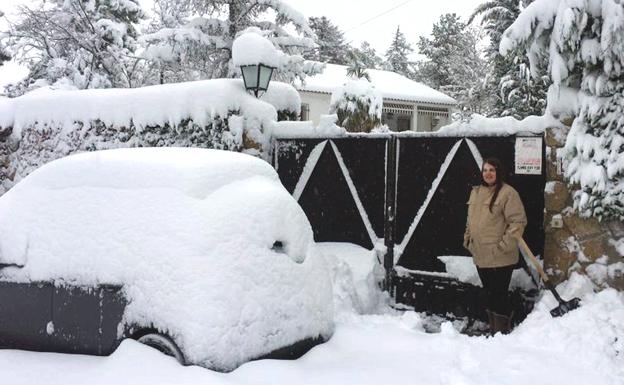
x=584 y=45
x=80 y=43
x=397 y=55
x=331 y=47
x=513 y=91
x=193 y=39
x=455 y=64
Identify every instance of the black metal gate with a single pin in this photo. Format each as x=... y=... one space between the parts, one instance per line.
x=409 y=194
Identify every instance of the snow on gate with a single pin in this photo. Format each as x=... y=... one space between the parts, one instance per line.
x=405 y=196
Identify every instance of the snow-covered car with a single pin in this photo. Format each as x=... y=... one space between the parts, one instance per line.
x=201 y=253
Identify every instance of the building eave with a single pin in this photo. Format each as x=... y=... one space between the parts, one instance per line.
x=385 y=98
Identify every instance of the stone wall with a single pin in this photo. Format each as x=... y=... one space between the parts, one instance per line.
x=573 y=243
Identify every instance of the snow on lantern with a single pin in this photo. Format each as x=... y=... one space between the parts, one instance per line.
x=257 y=58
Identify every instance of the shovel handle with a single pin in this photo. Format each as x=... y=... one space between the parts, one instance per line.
x=540 y=269
x=533 y=259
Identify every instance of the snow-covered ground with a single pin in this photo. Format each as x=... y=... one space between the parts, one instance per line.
x=586 y=346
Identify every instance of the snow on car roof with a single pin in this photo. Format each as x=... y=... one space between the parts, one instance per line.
x=189 y=235
x=390 y=84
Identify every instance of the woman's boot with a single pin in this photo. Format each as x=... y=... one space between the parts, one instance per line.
x=491 y=321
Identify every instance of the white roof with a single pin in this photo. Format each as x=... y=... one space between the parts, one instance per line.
x=391 y=85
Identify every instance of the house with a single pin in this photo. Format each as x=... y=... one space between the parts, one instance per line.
x=407 y=105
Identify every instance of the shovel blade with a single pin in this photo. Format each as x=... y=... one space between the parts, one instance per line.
x=565 y=307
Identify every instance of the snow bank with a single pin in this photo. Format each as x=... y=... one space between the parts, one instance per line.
x=482 y=126
x=190 y=235
x=356 y=273
x=283 y=97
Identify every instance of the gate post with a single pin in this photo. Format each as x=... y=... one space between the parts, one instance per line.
x=390 y=210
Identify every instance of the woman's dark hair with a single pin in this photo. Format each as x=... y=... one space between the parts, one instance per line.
x=500 y=177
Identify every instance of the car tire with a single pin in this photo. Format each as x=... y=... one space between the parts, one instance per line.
x=163 y=344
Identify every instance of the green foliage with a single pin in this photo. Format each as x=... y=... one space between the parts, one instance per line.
x=359 y=119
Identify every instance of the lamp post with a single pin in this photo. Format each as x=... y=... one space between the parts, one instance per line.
x=256 y=77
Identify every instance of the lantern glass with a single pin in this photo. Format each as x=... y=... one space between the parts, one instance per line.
x=264 y=77
x=250 y=76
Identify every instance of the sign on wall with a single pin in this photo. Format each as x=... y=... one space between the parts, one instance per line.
x=529 y=156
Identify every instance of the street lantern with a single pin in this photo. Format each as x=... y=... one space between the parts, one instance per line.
x=257 y=77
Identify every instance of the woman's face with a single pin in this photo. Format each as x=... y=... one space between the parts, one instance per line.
x=489 y=174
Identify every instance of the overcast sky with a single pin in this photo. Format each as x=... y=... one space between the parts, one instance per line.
x=415 y=17
x=364 y=20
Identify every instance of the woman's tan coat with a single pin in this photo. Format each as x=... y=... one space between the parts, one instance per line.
x=490 y=237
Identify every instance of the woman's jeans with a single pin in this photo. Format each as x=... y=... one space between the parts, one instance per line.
x=495 y=281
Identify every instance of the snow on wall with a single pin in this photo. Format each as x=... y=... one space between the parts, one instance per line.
x=480 y=125
x=189 y=235
x=327 y=128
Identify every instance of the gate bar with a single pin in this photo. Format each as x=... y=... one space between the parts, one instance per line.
x=390 y=210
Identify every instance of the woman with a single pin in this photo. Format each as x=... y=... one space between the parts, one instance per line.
x=495 y=218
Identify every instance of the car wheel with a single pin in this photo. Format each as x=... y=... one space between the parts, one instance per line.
x=163 y=344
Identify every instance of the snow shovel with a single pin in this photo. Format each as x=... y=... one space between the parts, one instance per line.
x=564 y=306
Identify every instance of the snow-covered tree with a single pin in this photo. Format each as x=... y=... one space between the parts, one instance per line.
x=358 y=105
x=4 y=56
x=78 y=43
x=331 y=46
x=584 y=44
x=193 y=39
x=455 y=63
x=519 y=93
x=512 y=90
x=397 y=54
x=366 y=55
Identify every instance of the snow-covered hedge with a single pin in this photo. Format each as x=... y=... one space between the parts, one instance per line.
x=48 y=124
x=189 y=233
